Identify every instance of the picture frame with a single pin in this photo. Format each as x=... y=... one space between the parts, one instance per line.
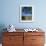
x=26 y=13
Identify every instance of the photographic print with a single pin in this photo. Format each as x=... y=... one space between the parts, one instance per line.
x=26 y=13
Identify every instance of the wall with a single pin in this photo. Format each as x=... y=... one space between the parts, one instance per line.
x=10 y=13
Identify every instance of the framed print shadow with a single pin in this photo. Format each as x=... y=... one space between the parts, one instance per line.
x=26 y=13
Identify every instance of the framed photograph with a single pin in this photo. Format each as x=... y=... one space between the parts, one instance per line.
x=26 y=13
